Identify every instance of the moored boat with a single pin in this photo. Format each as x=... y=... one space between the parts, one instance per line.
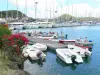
x=63 y=55
x=67 y=41
x=84 y=43
x=32 y=53
x=66 y=54
x=40 y=46
x=80 y=51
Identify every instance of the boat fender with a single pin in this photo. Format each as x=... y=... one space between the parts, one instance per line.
x=73 y=57
x=86 y=54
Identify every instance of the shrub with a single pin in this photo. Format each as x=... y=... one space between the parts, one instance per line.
x=4 y=31
x=16 y=40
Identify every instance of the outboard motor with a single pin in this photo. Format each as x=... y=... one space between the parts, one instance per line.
x=90 y=40
x=14 y=28
x=73 y=57
x=39 y=55
x=86 y=54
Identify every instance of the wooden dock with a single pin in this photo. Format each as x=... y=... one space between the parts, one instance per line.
x=50 y=44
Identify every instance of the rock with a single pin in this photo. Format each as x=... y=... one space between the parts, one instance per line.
x=27 y=73
x=19 y=60
x=16 y=72
x=13 y=65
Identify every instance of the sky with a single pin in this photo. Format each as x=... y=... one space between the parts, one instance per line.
x=47 y=8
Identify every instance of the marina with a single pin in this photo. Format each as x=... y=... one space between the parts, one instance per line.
x=54 y=65
x=49 y=37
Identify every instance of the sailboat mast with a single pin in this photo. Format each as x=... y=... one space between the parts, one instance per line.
x=53 y=9
x=7 y=10
x=35 y=4
x=50 y=12
x=46 y=11
x=17 y=8
x=12 y=13
x=26 y=7
x=1 y=14
x=61 y=13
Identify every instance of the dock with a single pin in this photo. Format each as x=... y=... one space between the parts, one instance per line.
x=50 y=44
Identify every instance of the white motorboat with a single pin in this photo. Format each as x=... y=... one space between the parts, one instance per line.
x=40 y=46
x=82 y=52
x=84 y=43
x=28 y=51
x=16 y=25
x=31 y=25
x=64 y=55
x=33 y=54
x=46 y=38
x=73 y=56
x=46 y=24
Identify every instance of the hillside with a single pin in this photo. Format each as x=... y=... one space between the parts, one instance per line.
x=67 y=17
x=12 y=13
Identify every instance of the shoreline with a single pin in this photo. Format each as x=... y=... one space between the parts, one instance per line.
x=55 y=27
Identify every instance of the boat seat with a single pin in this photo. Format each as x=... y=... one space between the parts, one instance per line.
x=32 y=50
x=67 y=54
x=71 y=48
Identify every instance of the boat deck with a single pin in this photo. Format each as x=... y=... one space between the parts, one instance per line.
x=50 y=44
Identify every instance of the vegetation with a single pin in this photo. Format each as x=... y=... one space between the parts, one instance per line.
x=10 y=51
x=4 y=31
x=12 y=13
x=4 y=69
x=67 y=17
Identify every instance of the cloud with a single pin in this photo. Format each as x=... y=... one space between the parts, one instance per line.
x=47 y=8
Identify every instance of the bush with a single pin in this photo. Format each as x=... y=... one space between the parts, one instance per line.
x=4 y=31
x=15 y=41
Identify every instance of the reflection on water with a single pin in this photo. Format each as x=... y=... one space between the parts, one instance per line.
x=60 y=62
x=63 y=64
x=87 y=60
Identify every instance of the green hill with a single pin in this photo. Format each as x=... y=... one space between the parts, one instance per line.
x=12 y=13
x=67 y=17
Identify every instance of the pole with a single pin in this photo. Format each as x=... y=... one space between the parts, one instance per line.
x=1 y=14
x=53 y=9
x=26 y=7
x=46 y=11
x=36 y=9
x=12 y=14
x=17 y=9
x=7 y=10
x=61 y=13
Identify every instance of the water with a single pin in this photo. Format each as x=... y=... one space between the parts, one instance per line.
x=54 y=66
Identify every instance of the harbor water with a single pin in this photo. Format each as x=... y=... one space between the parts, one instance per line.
x=54 y=66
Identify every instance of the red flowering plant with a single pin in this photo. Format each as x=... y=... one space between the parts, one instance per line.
x=3 y=31
x=16 y=41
